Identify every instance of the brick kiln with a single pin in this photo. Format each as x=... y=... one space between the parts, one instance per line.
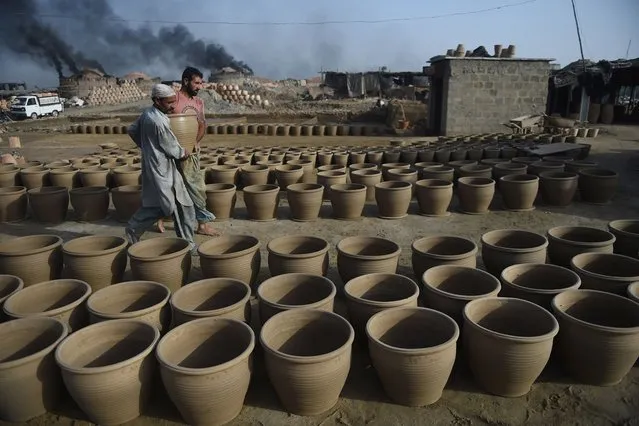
x=97 y=88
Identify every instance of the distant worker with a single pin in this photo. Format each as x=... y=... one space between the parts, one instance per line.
x=163 y=191
x=188 y=103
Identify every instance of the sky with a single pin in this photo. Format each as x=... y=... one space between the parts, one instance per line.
x=541 y=29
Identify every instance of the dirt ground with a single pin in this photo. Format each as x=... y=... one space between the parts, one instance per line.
x=554 y=399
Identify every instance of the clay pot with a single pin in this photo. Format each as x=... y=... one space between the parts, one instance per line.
x=438 y=250
x=324 y=158
x=633 y=292
x=185 y=129
x=13 y=204
x=164 y=260
x=63 y=300
x=537 y=282
x=94 y=176
x=597 y=186
x=295 y=291
x=505 y=247
x=254 y=175
x=599 y=338
x=332 y=168
x=262 y=202
x=475 y=194
x=519 y=191
x=434 y=196
x=126 y=200
x=222 y=174
x=49 y=204
x=329 y=178
x=565 y=242
x=358 y=256
x=308 y=168
x=577 y=166
x=476 y=170
x=221 y=199
x=98 y=260
x=64 y=177
x=374 y=157
x=297 y=254
x=508 y=343
x=348 y=200
x=442 y=155
x=91 y=203
x=207 y=389
x=558 y=188
x=340 y=158
x=30 y=382
x=108 y=369
x=405 y=175
x=369 y=178
x=360 y=166
x=391 y=156
x=288 y=174
x=413 y=351
x=606 y=272
x=126 y=176
x=371 y=293
x=391 y=166
x=393 y=199
x=505 y=169
x=438 y=172
x=8 y=175
x=9 y=284
x=545 y=166
x=305 y=201
x=307 y=354
x=626 y=233
x=448 y=288
x=33 y=259
x=231 y=256
x=213 y=297
x=34 y=177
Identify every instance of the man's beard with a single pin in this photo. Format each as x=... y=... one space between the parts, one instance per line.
x=191 y=92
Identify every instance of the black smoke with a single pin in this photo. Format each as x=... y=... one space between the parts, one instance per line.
x=93 y=36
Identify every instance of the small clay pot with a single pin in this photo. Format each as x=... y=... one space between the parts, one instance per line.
x=358 y=256
x=94 y=176
x=298 y=254
x=505 y=247
x=231 y=256
x=434 y=196
x=9 y=175
x=606 y=272
x=565 y=242
x=308 y=168
x=65 y=177
x=13 y=204
x=164 y=260
x=305 y=201
x=558 y=188
x=475 y=194
x=221 y=199
x=537 y=282
x=438 y=250
x=597 y=186
x=262 y=202
x=519 y=191
x=393 y=199
x=91 y=203
x=127 y=200
x=34 y=259
x=438 y=172
x=348 y=200
x=626 y=233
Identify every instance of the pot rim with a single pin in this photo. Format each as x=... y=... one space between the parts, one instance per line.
x=613 y=227
x=403 y=172
x=121 y=189
x=130 y=314
x=469 y=253
x=593 y=172
x=313 y=359
x=254 y=247
x=266 y=188
x=88 y=190
x=209 y=281
x=48 y=190
x=551 y=235
x=190 y=371
x=503 y=336
x=332 y=173
x=519 y=179
x=58 y=242
x=510 y=166
x=120 y=170
x=540 y=291
x=256 y=168
x=224 y=168
x=386 y=185
x=111 y=367
x=316 y=253
x=31 y=170
x=283 y=306
x=33 y=288
x=394 y=253
x=64 y=332
x=468 y=181
x=437 y=183
x=289 y=168
x=383 y=304
x=181 y=115
x=168 y=256
x=566 y=316
x=633 y=291
x=514 y=249
x=348 y=187
x=67 y=248
x=227 y=187
x=479 y=272
x=297 y=188
x=20 y=286
x=615 y=278
x=13 y=190
x=557 y=175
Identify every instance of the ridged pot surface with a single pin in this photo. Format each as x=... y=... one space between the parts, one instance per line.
x=348 y=200
x=126 y=176
x=288 y=174
x=108 y=369
x=438 y=250
x=254 y=175
x=607 y=272
x=98 y=260
x=262 y=202
x=599 y=337
x=440 y=172
x=90 y=204
x=558 y=188
x=508 y=343
x=126 y=200
x=308 y=355
x=34 y=259
x=221 y=199
x=626 y=233
x=369 y=178
x=298 y=254
x=184 y=127
x=537 y=282
x=97 y=176
x=34 y=177
x=305 y=201
x=597 y=186
x=231 y=256
x=9 y=284
x=164 y=260
x=393 y=199
x=329 y=178
x=13 y=204
x=222 y=174
x=413 y=351
x=49 y=204
x=519 y=191
x=366 y=255
x=475 y=194
x=434 y=196
x=505 y=247
x=30 y=381
x=8 y=175
x=565 y=242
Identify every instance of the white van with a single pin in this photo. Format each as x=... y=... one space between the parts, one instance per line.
x=34 y=106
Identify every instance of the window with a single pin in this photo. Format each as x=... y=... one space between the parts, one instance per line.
x=31 y=102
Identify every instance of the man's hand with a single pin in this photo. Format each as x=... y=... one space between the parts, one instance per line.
x=187 y=153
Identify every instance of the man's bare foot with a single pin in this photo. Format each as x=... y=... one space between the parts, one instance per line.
x=206 y=229
x=161 y=226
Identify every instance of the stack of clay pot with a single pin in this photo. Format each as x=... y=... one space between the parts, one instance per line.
x=233 y=93
x=124 y=91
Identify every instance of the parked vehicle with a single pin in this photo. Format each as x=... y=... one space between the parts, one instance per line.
x=34 y=106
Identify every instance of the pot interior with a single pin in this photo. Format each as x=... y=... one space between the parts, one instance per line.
x=209 y=295
x=127 y=297
x=27 y=244
x=8 y=284
x=46 y=297
x=412 y=328
x=629 y=226
x=459 y=280
x=598 y=308
x=540 y=277
x=297 y=245
x=295 y=289
x=368 y=246
x=514 y=239
x=610 y=265
x=512 y=317
x=444 y=246
x=581 y=234
x=27 y=337
x=93 y=244
x=158 y=247
x=381 y=287
x=228 y=245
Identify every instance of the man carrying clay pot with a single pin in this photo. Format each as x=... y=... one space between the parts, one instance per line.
x=187 y=102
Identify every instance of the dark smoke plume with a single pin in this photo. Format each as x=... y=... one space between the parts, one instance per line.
x=96 y=39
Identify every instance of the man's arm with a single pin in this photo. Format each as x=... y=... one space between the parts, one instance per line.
x=134 y=132
x=201 y=122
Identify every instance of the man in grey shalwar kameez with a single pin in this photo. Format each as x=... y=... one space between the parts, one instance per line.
x=163 y=190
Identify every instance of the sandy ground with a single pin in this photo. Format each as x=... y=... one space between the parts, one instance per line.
x=555 y=399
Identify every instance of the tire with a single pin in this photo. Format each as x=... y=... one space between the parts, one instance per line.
x=34 y=116
x=54 y=113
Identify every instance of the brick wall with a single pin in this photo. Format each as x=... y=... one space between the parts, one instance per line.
x=480 y=94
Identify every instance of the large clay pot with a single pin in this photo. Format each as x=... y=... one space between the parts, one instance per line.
x=476 y=171
x=348 y=200
x=305 y=201
x=91 y=203
x=34 y=177
x=33 y=259
x=185 y=128
x=545 y=166
x=295 y=291
x=65 y=177
x=207 y=389
x=599 y=338
x=254 y=175
x=519 y=191
x=223 y=174
x=577 y=166
x=413 y=351
x=98 y=260
x=607 y=272
x=358 y=256
x=13 y=203
x=475 y=194
x=307 y=168
x=262 y=202
x=288 y=174
x=30 y=381
x=108 y=369
x=558 y=188
x=297 y=254
x=371 y=293
x=597 y=186
x=537 y=282
x=231 y=256
x=392 y=166
x=126 y=200
x=438 y=250
x=438 y=172
x=143 y=300
x=126 y=176
x=8 y=175
x=434 y=196
x=332 y=168
x=505 y=169
x=63 y=300
x=508 y=343
x=405 y=175
x=393 y=199
x=329 y=178
x=369 y=178
x=221 y=199
x=626 y=233
x=94 y=176
x=448 y=288
x=308 y=356
x=565 y=242
x=164 y=260
x=505 y=247
x=212 y=297
x=49 y=204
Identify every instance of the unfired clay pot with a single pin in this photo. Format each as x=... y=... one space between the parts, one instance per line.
x=126 y=176
x=33 y=259
x=305 y=201
x=308 y=356
x=558 y=188
x=185 y=128
x=348 y=200
x=368 y=177
x=607 y=272
x=231 y=256
x=565 y=242
x=49 y=204
x=126 y=200
x=393 y=199
x=329 y=178
x=476 y=170
x=626 y=233
x=9 y=284
x=8 y=175
x=438 y=172
x=434 y=196
x=94 y=176
x=392 y=166
x=34 y=177
x=438 y=250
x=475 y=194
x=288 y=174
x=545 y=166
x=508 y=343
x=98 y=260
x=91 y=203
x=504 y=247
x=221 y=199
x=222 y=174
x=262 y=202
x=358 y=256
x=298 y=254
x=519 y=191
x=505 y=169
x=13 y=204
x=537 y=282
x=597 y=186
x=165 y=260
x=254 y=175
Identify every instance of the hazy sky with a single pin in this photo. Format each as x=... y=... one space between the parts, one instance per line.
x=544 y=28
